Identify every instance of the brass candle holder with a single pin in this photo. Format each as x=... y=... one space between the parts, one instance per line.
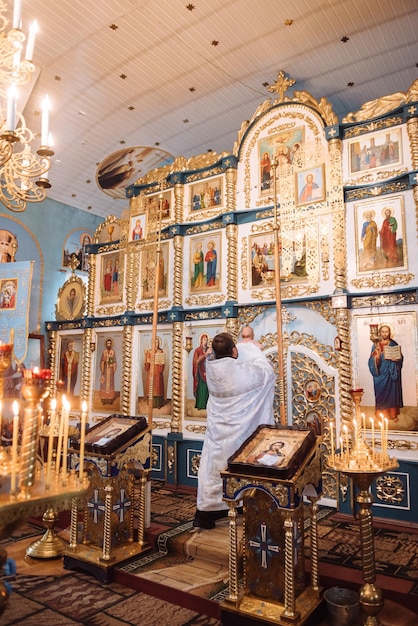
x=363 y=464
x=30 y=495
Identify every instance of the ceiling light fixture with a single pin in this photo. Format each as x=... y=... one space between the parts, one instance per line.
x=22 y=172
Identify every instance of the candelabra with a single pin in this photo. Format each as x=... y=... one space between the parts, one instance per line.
x=27 y=490
x=22 y=172
x=363 y=464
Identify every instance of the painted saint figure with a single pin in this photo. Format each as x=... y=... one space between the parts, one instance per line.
x=369 y=239
x=137 y=231
x=388 y=237
x=108 y=367
x=198 y=266
x=211 y=259
x=308 y=192
x=158 y=378
x=107 y=278
x=200 y=387
x=385 y=366
x=69 y=368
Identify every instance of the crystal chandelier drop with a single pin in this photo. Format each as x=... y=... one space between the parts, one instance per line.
x=23 y=172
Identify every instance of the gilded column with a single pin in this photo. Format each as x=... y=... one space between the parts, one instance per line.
x=230 y=184
x=127 y=369
x=131 y=282
x=178 y=271
x=91 y=284
x=232 y=281
x=412 y=127
x=177 y=396
x=89 y=347
x=53 y=335
x=178 y=202
x=336 y=203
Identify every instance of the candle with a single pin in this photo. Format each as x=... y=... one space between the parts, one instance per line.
x=82 y=436
x=372 y=423
x=363 y=421
x=331 y=434
x=50 y=442
x=11 y=108
x=386 y=434
x=59 y=444
x=45 y=122
x=14 y=447
x=31 y=41
x=345 y=431
x=66 y=419
x=17 y=12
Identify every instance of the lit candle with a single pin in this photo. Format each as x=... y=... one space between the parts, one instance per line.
x=11 y=108
x=59 y=444
x=31 y=41
x=82 y=436
x=386 y=434
x=372 y=423
x=382 y=436
x=45 y=122
x=17 y=13
x=66 y=418
x=345 y=430
x=14 y=447
x=363 y=421
x=50 y=442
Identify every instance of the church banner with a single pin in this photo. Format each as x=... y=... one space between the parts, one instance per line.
x=15 y=286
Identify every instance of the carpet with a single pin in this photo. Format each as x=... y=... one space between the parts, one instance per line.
x=396 y=551
x=171 y=508
x=77 y=598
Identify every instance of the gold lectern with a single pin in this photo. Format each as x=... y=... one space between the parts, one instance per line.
x=110 y=528
x=272 y=472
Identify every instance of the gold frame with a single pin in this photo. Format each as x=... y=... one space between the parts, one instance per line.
x=62 y=308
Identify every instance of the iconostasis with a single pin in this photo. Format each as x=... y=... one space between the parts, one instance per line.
x=345 y=217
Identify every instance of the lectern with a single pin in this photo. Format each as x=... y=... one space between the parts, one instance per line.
x=272 y=472
x=110 y=528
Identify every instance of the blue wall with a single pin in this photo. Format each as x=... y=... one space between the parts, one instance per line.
x=41 y=231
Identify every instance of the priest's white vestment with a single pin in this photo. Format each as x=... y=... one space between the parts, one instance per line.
x=241 y=393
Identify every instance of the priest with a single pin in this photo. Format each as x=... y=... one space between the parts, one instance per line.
x=241 y=392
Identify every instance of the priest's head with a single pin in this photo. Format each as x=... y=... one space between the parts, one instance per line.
x=223 y=345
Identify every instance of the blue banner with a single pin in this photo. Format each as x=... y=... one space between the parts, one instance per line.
x=15 y=286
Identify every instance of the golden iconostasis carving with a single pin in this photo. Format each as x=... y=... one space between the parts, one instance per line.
x=347 y=225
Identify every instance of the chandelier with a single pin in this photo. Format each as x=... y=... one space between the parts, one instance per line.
x=23 y=172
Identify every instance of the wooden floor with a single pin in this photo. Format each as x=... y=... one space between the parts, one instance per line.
x=209 y=563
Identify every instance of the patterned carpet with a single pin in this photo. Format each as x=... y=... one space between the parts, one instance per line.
x=80 y=599
x=396 y=551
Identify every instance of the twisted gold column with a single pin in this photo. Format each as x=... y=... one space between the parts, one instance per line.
x=106 y=524
x=91 y=285
x=126 y=387
x=177 y=396
x=233 y=553
x=231 y=188
x=73 y=524
x=86 y=376
x=232 y=281
x=178 y=202
x=314 y=542
x=289 y=586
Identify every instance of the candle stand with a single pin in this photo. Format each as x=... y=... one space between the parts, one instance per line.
x=25 y=489
x=363 y=464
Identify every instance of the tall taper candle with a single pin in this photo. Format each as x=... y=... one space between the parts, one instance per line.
x=66 y=418
x=50 y=443
x=13 y=473
x=82 y=436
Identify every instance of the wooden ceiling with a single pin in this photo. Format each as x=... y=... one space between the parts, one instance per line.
x=181 y=77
